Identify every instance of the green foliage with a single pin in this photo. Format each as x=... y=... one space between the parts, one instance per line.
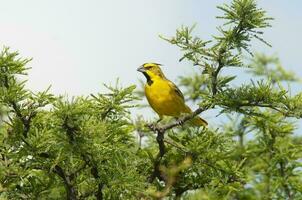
x=258 y=157
x=244 y=19
x=261 y=94
x=55 y=147
x=271 y=68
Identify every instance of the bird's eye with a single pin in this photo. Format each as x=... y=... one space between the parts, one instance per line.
x=148 y=67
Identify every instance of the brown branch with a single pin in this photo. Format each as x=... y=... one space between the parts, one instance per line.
x=71 y=190
x=89 y=162
x=95 y=174
x=156 y=172
x=70 y=131
x=285 y=184
x=216 y=72
x=25 y=121
x=180 y=121
x=221 y=54
x=160 y=131
x=104 y=114
x=67 y=179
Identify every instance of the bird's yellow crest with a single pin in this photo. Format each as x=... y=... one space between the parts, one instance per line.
x=151 y=71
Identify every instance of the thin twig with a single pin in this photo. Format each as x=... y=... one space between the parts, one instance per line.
x=174 y=145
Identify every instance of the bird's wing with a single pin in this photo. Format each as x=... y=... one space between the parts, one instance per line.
x=178 y=92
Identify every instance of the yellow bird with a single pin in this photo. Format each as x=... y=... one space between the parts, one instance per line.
x=164 y=96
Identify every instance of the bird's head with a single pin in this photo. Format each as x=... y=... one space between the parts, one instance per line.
x=151 y=71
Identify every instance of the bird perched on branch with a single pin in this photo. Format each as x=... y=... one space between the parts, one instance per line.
x=164 y=96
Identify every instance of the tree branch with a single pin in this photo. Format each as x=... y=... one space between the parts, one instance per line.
x=160 y=131
x=71 y=190
x=216 y=72
x=94 y=170
x=156 y=172
x=285 y=184
x=95 y=174
x=180 y=121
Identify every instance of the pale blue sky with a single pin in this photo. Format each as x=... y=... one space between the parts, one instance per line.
x=77 y=45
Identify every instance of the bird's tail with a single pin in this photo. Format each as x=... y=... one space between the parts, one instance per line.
x=196 y=121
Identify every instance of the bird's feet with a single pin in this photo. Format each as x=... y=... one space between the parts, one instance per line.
x=152 y=126
x=179 y=121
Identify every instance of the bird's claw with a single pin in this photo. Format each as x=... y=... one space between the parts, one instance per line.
x=180 y=122
x=151 y=126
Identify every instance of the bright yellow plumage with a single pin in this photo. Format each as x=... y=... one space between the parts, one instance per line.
x=163 y=95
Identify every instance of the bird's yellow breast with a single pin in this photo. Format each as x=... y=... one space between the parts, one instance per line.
x=163 y=99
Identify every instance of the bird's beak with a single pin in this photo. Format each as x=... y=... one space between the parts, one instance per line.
x=141 y=69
